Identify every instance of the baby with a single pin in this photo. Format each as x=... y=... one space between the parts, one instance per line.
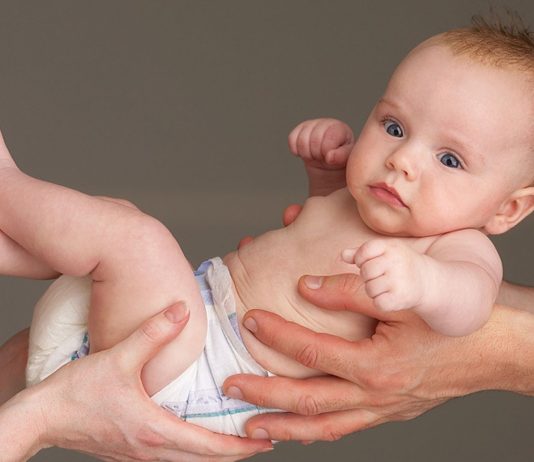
x=444 y=159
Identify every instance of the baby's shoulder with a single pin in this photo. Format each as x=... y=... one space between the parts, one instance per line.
x=463 y=238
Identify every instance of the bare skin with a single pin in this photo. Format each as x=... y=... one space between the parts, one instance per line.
x=402 y=371
x=120 y=422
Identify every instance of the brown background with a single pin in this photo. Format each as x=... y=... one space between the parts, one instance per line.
x=184 y=107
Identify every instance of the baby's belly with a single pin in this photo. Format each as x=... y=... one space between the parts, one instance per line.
x=267 y=279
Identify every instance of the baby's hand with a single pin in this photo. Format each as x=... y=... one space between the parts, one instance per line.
x=322 y=143
x=392 y=272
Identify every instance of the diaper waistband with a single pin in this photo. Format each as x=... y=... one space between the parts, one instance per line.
x=216 y=288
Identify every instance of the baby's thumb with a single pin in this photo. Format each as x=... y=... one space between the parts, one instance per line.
x=152 y=335
x=339 y=156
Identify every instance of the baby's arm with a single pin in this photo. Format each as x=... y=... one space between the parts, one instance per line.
x=464 y=281
x=324 y=145
x=452 y=286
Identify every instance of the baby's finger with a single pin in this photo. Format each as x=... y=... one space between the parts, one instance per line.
x=317 y=138
x=372 y=269
x=347 y=255
x=303 y=141
x=335 y=134
x=293 y=136
x=370 y=249
x=387 y=301
x=376 y=287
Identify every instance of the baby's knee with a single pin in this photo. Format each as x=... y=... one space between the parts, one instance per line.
x=152 y=238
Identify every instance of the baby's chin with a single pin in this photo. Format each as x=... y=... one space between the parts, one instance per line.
x=383 y=226
x=388 y=231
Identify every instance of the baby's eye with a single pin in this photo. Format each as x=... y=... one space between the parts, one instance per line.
x=393 y=128
x=450 y=160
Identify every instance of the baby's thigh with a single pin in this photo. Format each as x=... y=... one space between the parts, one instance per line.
x=146 y=272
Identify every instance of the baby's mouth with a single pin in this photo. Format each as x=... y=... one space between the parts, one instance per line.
x=387 y=194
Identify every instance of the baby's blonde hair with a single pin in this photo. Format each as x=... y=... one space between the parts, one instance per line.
x=502 y=41
x=495 y=41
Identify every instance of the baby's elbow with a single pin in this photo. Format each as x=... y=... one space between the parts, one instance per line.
x=467 y=321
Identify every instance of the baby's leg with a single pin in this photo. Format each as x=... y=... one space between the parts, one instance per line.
x=16 y=261
x=136 y=265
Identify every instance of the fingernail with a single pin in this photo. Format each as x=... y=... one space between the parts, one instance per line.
x=234 y=392
x=313 y=282
x=270 y=448
x=251 y=325
x=260 y=434
x=177 y=312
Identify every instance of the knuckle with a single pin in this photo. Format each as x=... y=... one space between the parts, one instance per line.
x=372 y=381
x=347 y=285
x=151 y=331
x=260 y=399
x=332 y=434
x=308 y=356
x=307 y=405
x=149 y=438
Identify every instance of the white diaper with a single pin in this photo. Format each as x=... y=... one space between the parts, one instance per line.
x=59 y=328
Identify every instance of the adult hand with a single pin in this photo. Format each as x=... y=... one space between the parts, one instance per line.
x=403 y=370
x=98 y=405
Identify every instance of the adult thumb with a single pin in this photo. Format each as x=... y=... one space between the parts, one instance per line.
x=338 y=292
x=152 y=335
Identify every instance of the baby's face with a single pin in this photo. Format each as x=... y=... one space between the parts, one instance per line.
x=446 y=144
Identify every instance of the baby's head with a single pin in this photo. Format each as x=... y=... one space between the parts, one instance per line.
x=450 y=145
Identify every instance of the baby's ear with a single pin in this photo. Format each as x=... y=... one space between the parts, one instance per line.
x=518 y=206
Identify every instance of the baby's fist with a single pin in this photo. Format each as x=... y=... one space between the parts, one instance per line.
x=322 y=143
x=392 y=272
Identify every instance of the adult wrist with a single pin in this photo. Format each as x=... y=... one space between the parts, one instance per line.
x=23 y=426
x=513 y=350
x=503 y=353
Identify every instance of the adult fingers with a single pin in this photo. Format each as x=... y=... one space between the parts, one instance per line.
x=311 y=396
x=151 y=336
x=328 y=427
x=244 y=241
x=340 y=292
x=181 y=437
x=291 y=213
x=323 y=352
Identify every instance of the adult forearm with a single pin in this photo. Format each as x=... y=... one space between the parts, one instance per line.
x=20 y=424
x=500 y=356
x=516 y=296
x=506 y=350
x=13 y=357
